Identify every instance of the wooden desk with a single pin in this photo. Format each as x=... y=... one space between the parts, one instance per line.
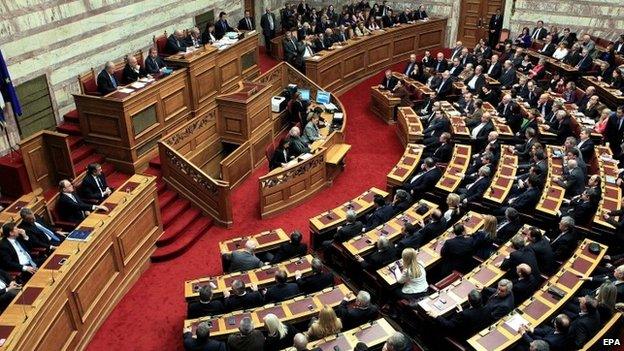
x=63 y=304
x=503 y=179
x=555 y=65
x=552 y=195
x=267 y=240
x=33 y=200
x=360 y=57
x=290 y=311
x=363 y=244
x=611 y=193
x=429 y=254
x=383 y=104
x=409 y=127
x=419 y=87
x=323 y=225
x=372 y=334
x=458 y=125
x=455 y=169
x=487 y=273
x=542 y=306
x=503 y=130
x=406 y=167
x=261 y=277
x=610 y=96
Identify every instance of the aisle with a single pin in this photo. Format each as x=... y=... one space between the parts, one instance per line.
x=150 y=316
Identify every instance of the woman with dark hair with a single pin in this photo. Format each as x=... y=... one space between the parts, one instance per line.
x=280 y=155
x=524 y=38
x=208 y=37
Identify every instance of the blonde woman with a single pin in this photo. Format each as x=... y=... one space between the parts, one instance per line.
x=278 y=335
x=327 y=324
x=412 y=275
x=483 y=240
x=361 y=30
x=452 y=213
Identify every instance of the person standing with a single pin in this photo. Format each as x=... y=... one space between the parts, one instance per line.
x=267 y=22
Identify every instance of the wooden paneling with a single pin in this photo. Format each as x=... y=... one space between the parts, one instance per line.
x=96 y=282
x=475 y=19
x=37 y=110
x=47 y=159
x=60 y=332
x=237 y=165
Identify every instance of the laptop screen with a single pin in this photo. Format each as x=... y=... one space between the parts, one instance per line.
x=305 y=94
x=322 y=97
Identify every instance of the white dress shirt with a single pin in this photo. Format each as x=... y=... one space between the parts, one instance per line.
x=22 y=256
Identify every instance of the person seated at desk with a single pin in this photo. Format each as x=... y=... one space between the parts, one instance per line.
x=327 y=324
x=566 y=241
x=247 y=22
x=298 y=146
x=248 y=338
x=240 y=298
x=444 y=152
x=520 y=254
x=400 y=91
x=542 y=249
x=70 y=207
x=574 y=55
x=585 y=63
x=388 y=21
x=523 y=39
x=474 y=191
x=508 y=226
x=617 y=81
x=411 y=275
x=456 y=252
x=384 y=254
x=421 y=13
x=194 y=39
x=456 y=69
x=94 y=186
x=527 y=200
x=508 y=77
x=304 y=31
x=555 y=337
x=202 y=340
x=282 y=290
x=38 y=232
x=372 y=25
x=341 y=35
x=483 y=240
x=440 y=64
x=106 y=80
x=153 y=63
x=244 y=259
x=574 y=181
x=8 y=290
x=426 y=179
x=362 y=311
x=278 y=336
x=561 y=52
x=209 y=36
x=222 y=26
x=466 y=322
x=361 y=30
x=293 y=248
x=382 y=212
x=205 y=305
x=318 y=280
x=176 y=43
x=14 y=253
x=476 y=82
x=401 y=201
x=311 y=131
x=281 y=155
x=389 y=81
x=499 y=301
x=415 y=237
x=586 y=324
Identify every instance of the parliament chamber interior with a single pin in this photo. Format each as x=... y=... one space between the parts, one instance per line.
x=312 y=175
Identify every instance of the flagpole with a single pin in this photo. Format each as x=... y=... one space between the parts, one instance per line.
x=8 y=111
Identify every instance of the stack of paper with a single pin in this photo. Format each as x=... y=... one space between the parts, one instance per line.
x=138 y=85
x=126 y=90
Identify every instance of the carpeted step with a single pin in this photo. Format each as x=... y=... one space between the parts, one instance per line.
x=166 y=198
x=69 y=128
x=81 y=153
x=161 y=186
x=179 y=226
x=174 y=210
x=82 y=165
x=152 y=171
x=108 y=168
x=155 y=162
x=75 y=141
x=183 y=242
x=71 y=116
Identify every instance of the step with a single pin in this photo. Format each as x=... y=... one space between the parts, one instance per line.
x=155 y=162
x=161 y=186
x=179 y=225
x=183 y=242
x=75 y=141
x=69 y=128
x=71 y=116
x=81 y=153
x=166 y=198
x=152 y=171
x=82 y=165
x=108 y=168
x=175 y=209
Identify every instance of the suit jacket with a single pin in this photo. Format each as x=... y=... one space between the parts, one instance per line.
x=545 y=109
x=89 y=188
x=614 y=133
x=456 y=255
x=440 y=66
x=281 y=292
x=497 y=306
x=585 y=64
x=348 y=231
x=478 y=188
x=508 y=78
x=315 y=282
x=198 y=309
x=527 y=200
x=278 y=158
x=8 y=256
x=250 y=299
x=242 y=260
x=240 y=342
x=544 y=255
x=289 y=250
x=564 y=245
x=387 y=21
x=583 y=328
x=266 y=25
x=444 y=88
x=548 y=49
x=465 y=60
x=541 y=33
x=389 y=84
x=424 y=235
x=532 y=96
x=222 y=27
x=409 y=69
x=353 y=316
x=557 y=342
x=495 y=71
x=506 y=231
x=581 y=211
x=290 y=49
x=242 y=24
x=524 y=255
x=174 y=45
x=70 y=210
x=574 y=182
x=153 y=65
x=106 y=83
x=425 y=182
x=437 y=127
x=36 y=237
x=524 y=288
x=456 y=53
x=192 y=344
x=379 y=259
x=465 y=323
x=456 y=70
x=379 y=216
x=443 y=153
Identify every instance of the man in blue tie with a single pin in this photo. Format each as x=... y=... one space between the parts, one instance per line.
x=39 y=234
x=106 y=80
x=14 y=255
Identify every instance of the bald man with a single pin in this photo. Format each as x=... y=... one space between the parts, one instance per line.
x=176 y=43
x=132 y=71
x=106 y=81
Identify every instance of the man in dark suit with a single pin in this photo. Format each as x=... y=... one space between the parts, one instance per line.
x=222 y=26
x=586 y=62
x=240 y=298
x=568 y=37
x=582 y=208
x=282 y=290
x=457 y=50
x=14 y=254
x=440 y=125
x=317 y=281
x=205 y=306
x=527 y=200
x=549 y=47
x=385 y=253
x=70 y=207
x=434 y=227
x=525 y=284
x=532 y=93
x=440 y=64
x=509 y=226
x=508 y=109
x=617 y=278
x=456 y=69
x=267 y=22
x=202 y=340
x=539 y=32
x=444 y=152
x=566 y=242
x=8 y=290
x=411 y=68
x=555 y=337
x=194 y=38
x=523 y=151
x=475 y=190
x=106 y=80
x=495 y=27
x=615 y=130
x=381 y=213
x=362 y=311
x=574 y=181
x=388 y=20
x=39 y=233
x=445 y=85
x=498 y=302
x=543 y=251
x=586 y=145
x=466 y=57
x=247 y=22
x=176 y=43
x=351 y=228
x=153 y=63
x=495 y=68
x=294 y=248
x=457 y=252
x=466 y=322
x=508 y=77
x=291 y=50
x=389 y=81
x=94 y=186
x=247 y=339
x=585 y=326
x=544 y=105
x=521 y=254
x=426 y=179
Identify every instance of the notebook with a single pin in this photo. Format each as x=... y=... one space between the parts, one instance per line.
x=79 y=234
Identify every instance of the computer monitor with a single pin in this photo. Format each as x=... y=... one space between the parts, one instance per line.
x=323 y=97
x=305 y=94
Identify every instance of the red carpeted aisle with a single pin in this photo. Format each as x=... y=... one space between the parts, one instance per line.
x=150 y=316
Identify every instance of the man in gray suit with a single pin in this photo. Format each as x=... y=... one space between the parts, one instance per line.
x=245 y=259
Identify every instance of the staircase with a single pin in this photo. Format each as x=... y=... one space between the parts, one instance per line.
x=183 y=223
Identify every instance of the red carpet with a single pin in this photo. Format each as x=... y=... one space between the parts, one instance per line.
x=150 y=316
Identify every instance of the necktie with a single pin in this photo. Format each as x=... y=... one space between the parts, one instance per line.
x=113 y=81
x=248 y=24
x=50 y=234
x=438 y=66
x=505 y=110
x=71 y=196
x=25 y=253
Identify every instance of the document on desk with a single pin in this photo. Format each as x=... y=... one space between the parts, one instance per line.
x=305 y=156
x=330 y=106
x=138 y=85
x=126 y=90
x=516 y=322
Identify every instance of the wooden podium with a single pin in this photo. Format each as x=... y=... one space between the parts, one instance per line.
x=383 y=104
